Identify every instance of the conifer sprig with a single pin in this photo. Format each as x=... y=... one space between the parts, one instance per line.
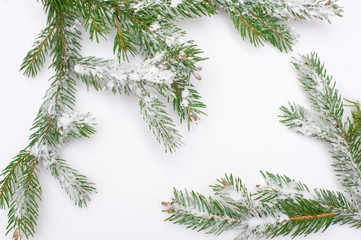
x=20 y=187
x=35 y=58
x=284 y=206
x=252 y=21
x=306 y=9
x=143 y=28
x=325 y=121
x=262 y=20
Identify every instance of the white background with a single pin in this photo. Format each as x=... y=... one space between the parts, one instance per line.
x=243 y=87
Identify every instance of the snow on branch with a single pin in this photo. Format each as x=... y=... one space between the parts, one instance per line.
x=110 y=75
x=303 y=9
x=159 y=72
x=284 y=207
x=24 y=209
x=158 y=120
x=327 y=122
x=262 y=20
x=76 y=185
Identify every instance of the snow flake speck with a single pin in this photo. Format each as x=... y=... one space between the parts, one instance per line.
x=175 y=3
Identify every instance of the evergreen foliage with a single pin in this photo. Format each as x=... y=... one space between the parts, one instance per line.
x=144 y=28
x=284 y=206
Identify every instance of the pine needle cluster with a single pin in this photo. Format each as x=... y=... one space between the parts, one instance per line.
x=284 y=206
x=143 y=28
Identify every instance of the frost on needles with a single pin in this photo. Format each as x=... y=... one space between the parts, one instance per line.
x=142 y=28
x=284 y=206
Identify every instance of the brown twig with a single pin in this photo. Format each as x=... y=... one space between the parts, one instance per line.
x=324 y=215
x=119 y=29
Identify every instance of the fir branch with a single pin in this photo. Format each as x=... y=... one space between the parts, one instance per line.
x=261 y=20
x=305 y=10
x=166 y=72
x=20 y=186
x=77 y=186
x=52 y=132
x=131 y=80
x=9 y=175
x=283 y=207
x=35 y=58
x=327 y=124
x=252 y=21
x=24 y=209
x=158 y=120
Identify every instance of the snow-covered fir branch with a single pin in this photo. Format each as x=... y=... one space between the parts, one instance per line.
x=284 y=206
x=54 y=125
x=163 y=72
x=263 y=20
x=158 y=120
x=76 y=185
x=327 y=121
x=21 y=177
x=303 y=9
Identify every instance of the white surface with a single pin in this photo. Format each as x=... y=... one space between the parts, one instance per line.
x=243 y=87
